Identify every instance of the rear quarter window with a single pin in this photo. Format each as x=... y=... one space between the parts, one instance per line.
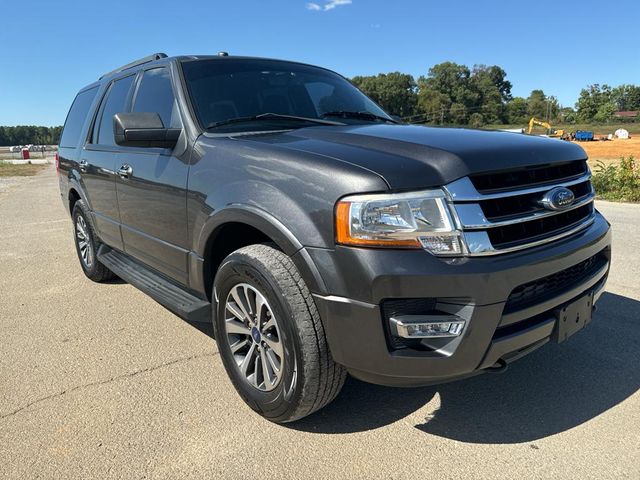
x=76 y=118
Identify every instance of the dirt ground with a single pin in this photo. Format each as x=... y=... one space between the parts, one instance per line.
x=9 y=170
x=611 y=151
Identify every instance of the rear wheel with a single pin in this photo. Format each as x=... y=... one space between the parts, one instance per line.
x=87 y=245
x=270 y=336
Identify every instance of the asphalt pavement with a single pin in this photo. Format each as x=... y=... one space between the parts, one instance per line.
x=99 y=381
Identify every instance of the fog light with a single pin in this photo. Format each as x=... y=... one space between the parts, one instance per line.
x=427 y=326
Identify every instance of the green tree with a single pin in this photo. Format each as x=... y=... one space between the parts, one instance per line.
x=605 y=112
x=476 y=120
x=591 y=101
x=517 y=110
x=395 y=91
x=626 y=97
x=541 y=106
x=29 y=134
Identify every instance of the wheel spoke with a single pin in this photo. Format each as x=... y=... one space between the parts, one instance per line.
x=274 y=345
x=268 y=381
x=260 y=303
x=237 y=328
x=236 y=312
x=273 y=361
x=270 y=323
x=247 y=360
x=256 y=371
x=243 y=342
x=89 y=255
x=240 y=302
x=250 y=297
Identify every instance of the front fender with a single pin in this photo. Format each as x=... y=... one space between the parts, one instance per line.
x=267 y=224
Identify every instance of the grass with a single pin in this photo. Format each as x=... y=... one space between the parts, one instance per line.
x=620 y=182
x=9 y=170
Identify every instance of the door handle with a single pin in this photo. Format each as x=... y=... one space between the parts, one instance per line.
x=83 y=165
x=125 y=171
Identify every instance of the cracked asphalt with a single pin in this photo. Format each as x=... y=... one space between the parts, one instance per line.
x=98 y=381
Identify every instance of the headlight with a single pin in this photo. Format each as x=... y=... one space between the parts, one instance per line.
x=406 y=220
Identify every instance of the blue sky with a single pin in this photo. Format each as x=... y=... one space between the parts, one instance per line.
x=49 y=49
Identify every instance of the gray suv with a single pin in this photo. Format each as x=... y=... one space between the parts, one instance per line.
x=321 y=236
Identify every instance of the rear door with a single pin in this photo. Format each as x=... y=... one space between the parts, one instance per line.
x=152 y=186
x=98 y=162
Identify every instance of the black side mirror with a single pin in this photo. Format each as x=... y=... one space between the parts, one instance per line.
x=141 y=129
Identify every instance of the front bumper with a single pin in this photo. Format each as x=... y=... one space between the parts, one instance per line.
x=360 y=279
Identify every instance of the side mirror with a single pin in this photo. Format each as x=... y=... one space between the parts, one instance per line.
x=138 y=129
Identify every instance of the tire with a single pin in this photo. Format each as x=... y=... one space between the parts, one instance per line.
x=308 y=378
x=87 y=245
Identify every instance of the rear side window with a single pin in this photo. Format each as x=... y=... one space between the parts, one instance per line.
x=114 y=102
x=76 y=118
x=156 y=95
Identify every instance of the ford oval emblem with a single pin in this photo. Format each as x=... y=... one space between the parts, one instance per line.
x=558 y=198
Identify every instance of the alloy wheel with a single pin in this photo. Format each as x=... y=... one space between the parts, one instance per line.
x=84 y=242
x=254 y=337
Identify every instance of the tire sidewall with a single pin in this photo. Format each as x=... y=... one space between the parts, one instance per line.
x=277 y=403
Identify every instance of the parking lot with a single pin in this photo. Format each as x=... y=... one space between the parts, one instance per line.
x=99 y=381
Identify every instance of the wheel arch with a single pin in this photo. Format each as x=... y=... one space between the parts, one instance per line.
x=237 y=226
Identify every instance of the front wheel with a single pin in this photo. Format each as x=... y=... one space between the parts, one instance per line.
x=270 y=336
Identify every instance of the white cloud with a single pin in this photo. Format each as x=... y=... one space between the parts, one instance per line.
x=328 y=5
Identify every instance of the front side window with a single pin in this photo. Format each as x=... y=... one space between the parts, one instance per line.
x=114 y=102
x=155 y=94
x=76 y=118
x=223 y=89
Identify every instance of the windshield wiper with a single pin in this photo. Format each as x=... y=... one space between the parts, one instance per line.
x=362 y=115
x=271 y=116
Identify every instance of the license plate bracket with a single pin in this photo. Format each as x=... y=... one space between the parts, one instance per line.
x=572 y=317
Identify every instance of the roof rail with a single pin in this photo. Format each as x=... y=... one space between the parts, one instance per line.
x=142 y=61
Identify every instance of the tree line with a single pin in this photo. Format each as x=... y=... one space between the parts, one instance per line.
x=451 y=94
x=29 y=134
x=455 y=94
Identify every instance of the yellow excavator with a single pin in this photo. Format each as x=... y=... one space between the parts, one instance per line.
x=550 y=131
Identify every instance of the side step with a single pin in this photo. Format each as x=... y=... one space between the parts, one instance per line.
x=171 y=296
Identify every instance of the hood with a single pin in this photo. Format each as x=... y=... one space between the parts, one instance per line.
x=409 y=157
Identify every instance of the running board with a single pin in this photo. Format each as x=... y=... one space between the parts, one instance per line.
x=171 y=296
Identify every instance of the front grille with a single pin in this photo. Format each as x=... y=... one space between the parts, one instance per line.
x=529 y=176
x=519 y=233
x=502 y=208
x=502 y=211
x=555 y=284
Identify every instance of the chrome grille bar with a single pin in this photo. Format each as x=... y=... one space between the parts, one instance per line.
x=472 y=217
x=462 y=190
x=510 y=233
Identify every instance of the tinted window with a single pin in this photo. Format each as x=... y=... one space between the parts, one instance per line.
x=230 y=88
x=156 y=95
x=76 y=118
x=115 y=102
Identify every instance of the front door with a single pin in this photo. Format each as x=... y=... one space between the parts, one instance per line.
x=151 y=185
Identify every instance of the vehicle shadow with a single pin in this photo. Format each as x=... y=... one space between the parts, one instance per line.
x=552 y=390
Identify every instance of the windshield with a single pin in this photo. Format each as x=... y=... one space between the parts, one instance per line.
x=225 y=89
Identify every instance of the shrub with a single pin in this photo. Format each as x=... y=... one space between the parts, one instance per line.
x=618 y=182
